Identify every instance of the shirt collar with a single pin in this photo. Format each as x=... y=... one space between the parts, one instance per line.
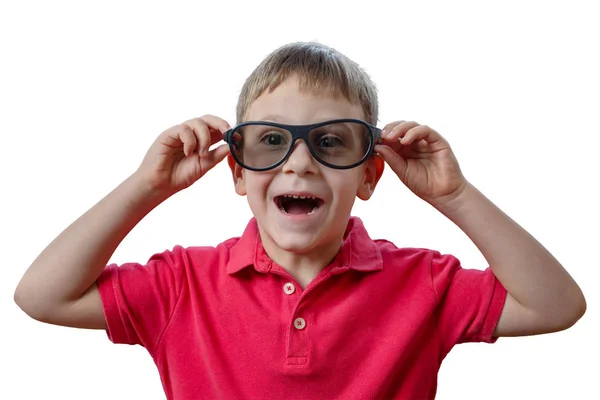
x=358 y=252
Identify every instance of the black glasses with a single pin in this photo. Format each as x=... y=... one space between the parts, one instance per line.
x=339 y=143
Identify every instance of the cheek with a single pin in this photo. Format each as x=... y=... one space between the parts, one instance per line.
x=256 y=187
x=345 y=186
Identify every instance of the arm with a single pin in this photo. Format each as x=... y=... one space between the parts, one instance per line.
x=59 y=287
x=542 y=296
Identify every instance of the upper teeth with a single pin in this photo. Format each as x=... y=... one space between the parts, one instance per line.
x=299 y=197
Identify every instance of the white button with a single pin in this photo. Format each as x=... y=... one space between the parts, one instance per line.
x=289 y=288
x=299 y=323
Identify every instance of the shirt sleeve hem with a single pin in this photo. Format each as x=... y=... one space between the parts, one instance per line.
x=494 y=312
x=115 y=331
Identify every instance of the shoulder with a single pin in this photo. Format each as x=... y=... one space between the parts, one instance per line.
x=416 y=255
x=207 y=254
x=202 y=257
x=444 y=271
x=394 y=256
x=179 y=259
x=438 y=269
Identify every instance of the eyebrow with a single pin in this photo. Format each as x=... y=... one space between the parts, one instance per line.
x=271 y=117
x=278 y=118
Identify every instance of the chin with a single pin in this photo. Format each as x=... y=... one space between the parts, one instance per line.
x=295 y=243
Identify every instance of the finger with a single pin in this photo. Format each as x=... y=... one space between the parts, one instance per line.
x=215 y=122
x=214 y=157
x=174 y=137
x=202 y=133
x=218 y=154
x=209 y=129
x=393 y=159
x=215 y=136
x=386 y=129
x=421 y=132
x=217 y=127
x=185 y=135
x=400 y=130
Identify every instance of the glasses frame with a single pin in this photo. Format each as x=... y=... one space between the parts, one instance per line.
x=301 y=132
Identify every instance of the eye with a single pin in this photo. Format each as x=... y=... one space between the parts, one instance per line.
x=330 y=141
x=273 y=139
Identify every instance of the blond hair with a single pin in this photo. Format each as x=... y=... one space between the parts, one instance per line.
x=319 y=69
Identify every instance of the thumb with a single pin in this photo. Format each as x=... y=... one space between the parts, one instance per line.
x=213 y=157
x=217 y=155
x=393 y=159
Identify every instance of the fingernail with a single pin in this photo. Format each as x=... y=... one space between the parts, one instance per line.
x=384 y=132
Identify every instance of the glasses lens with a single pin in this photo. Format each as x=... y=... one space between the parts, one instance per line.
x=260 y=146
x=341 y=144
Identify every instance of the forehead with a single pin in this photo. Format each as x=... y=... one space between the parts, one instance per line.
x=290 y=105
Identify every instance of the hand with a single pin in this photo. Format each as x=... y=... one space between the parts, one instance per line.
x=423 y=160
x=180 y=155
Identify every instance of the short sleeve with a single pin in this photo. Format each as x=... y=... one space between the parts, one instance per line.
x=470 y=301
x=139 y=299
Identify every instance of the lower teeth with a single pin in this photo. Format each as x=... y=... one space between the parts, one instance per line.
x=311 y=211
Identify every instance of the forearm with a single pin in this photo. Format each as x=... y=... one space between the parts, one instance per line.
x=77 y=257
x=530 y=274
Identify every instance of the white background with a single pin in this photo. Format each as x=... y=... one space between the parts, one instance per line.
x=85 y=87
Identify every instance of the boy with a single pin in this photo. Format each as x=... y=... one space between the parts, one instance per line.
x=304 y=304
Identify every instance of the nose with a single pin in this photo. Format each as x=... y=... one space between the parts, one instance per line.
x=300 y=161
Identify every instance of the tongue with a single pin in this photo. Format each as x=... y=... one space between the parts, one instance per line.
x=299 y=207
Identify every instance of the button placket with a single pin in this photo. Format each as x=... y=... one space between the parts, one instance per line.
x=299 y=331
x=299 y=340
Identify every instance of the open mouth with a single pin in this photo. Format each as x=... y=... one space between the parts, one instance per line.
x=298 y=205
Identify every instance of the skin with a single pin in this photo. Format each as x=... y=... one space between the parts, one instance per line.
x=59 y=287
x=542 y=296
x=304 y=249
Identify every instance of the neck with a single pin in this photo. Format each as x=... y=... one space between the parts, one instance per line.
x=303 y=266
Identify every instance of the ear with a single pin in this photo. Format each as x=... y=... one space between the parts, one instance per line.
x=373 y=169
x=237 y=173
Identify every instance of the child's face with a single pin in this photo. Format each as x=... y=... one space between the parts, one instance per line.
x=296 y=226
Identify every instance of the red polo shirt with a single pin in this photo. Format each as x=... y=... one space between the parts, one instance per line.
x=226 y=322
